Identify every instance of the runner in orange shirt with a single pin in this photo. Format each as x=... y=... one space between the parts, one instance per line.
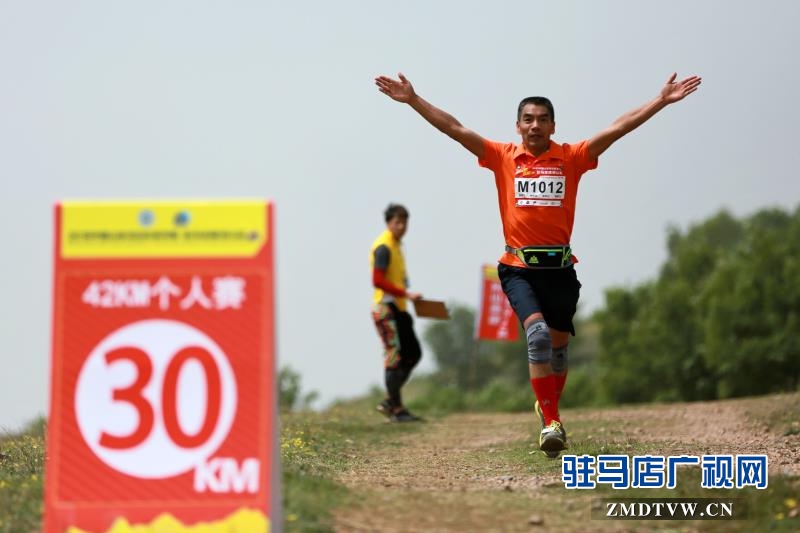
x=537 y=183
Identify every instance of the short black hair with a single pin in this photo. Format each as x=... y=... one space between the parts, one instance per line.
x=395 y=210
x=537 y=100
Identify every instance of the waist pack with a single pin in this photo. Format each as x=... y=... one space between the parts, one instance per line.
x=543 y=256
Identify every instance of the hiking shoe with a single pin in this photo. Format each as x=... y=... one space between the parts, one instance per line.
x=553 y=439
x=385 y=408
x=404 y=416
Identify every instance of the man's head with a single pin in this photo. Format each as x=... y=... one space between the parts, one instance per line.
x=396 y=217
x=536 y=122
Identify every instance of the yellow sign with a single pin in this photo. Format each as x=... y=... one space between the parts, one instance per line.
x=490 y=273
x=162 y=228
x=242 y=521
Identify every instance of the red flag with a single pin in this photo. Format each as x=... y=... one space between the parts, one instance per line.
x=496 y=320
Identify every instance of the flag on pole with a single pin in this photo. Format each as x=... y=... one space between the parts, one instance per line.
x=496 y=319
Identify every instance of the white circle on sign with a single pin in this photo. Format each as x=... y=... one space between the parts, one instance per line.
x=143 y=374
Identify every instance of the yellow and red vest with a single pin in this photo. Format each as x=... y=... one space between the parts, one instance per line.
x=395 y=272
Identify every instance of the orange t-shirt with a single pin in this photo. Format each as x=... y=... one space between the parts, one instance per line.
x=536 y=194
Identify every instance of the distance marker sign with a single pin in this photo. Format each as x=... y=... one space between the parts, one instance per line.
x=163 y=395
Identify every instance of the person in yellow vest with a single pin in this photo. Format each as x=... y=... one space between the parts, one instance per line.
x=395 y=326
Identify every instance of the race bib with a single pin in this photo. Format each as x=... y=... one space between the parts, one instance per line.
x=540 y=191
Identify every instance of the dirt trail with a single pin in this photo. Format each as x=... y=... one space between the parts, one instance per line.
x=456 y=474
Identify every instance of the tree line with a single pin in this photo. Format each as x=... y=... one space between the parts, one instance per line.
x=720 y=320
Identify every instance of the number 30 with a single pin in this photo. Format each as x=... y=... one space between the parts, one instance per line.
x=169 y=397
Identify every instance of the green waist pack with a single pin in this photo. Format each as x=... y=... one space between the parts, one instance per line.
x=543 y=256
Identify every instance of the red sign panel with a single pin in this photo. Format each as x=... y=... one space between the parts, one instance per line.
x=163 y=381
x=496 y=319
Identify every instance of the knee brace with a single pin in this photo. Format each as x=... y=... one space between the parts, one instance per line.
x=559 y=361
x=540 y=347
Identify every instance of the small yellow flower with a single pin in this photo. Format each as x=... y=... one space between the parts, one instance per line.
x=779 y=516
x=791 y=503
x=291 y=517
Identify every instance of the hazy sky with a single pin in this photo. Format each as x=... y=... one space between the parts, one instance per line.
x=209 y=99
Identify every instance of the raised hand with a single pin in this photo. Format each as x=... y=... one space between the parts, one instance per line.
x=400 y=90
x=674 y=91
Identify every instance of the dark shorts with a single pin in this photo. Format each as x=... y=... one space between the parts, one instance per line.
x=401 y=347
x=553 y=292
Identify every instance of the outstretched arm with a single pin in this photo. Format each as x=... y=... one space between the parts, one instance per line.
x=671 y=92
x=401 y=90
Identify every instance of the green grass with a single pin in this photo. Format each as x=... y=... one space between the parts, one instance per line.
x=21 y=479
x=317 y=446
x=786 y=420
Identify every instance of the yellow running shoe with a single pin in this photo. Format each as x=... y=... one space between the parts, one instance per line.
x=553 y=439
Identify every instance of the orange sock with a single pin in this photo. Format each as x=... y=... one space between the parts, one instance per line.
x=545 y=391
